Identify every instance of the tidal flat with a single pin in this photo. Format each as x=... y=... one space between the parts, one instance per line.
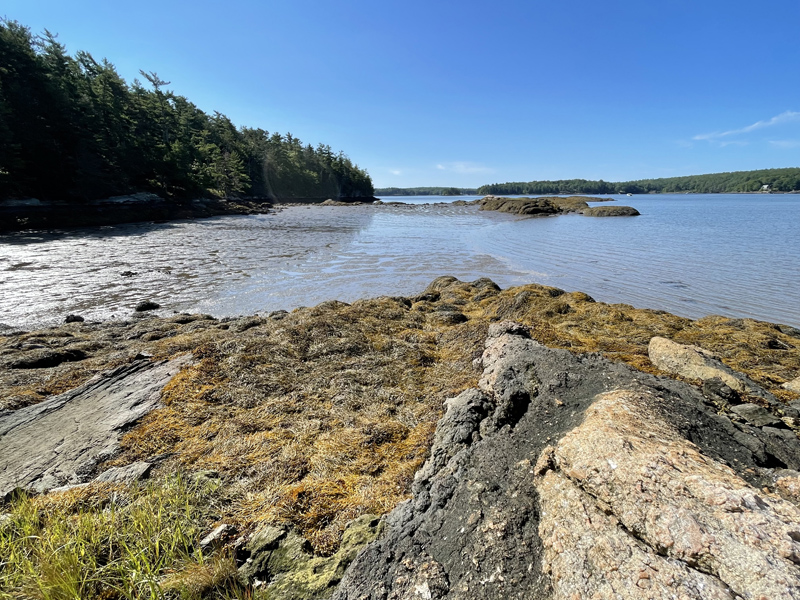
x=693 y=255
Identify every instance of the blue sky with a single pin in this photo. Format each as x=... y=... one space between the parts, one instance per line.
x=466 y=93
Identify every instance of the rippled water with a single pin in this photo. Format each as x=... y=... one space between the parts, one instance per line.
x=692 y=255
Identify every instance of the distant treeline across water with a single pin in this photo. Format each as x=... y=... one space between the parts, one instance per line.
x=773 y=180
x=72 y=129
x=778 y=180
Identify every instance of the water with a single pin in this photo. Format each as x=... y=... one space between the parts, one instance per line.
x=692 y=255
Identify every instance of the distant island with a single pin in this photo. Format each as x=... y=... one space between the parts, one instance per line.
x=73 y=131
x=426 y=191
x=764 y=180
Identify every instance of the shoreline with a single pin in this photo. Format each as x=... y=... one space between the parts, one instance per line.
x=32 y=214
x=22 y=215
x=572 y=310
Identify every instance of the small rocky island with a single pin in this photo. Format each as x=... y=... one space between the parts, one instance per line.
x=466 y=442
x=555 y=205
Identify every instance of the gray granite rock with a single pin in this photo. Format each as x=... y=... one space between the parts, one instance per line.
x=59 y=441
x=127 y=474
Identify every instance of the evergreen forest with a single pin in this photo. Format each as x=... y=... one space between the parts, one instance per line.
x=72 y=129
x=777 y=180
x=426 y=191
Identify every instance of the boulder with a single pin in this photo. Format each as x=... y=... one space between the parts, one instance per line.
x=127 y=474
x=217 y=536
x=449 y=317
x=74 y=319
x=658 y=515
x=756 y=415
x=43 y=358
x=283 y=560
x=693 y=362
x=793 y=385
x=569 y=477
x=147 y=305
x=610 y=211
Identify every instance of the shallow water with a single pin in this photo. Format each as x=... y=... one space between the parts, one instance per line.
x=689 y=254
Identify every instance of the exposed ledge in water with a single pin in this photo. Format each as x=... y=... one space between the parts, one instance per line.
x=555 y=205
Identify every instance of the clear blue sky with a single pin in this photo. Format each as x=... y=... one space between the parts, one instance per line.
x=465 y=93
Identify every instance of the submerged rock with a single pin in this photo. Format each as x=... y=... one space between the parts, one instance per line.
x=570 y=477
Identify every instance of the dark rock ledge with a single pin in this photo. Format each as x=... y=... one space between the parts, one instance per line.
x=567 y=476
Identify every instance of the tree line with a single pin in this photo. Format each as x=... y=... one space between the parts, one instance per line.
x=426 y=191
x=779 y=180
x=72 y=129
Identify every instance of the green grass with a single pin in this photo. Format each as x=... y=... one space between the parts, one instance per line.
x=112 y=542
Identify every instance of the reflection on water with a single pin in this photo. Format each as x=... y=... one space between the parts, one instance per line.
x=692 y=255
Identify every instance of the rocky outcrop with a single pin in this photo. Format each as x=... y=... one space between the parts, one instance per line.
x=566 y=476
x=59 y=441
x=555 y=205
x=610 y=211
x=520 y=206
x=654 y=513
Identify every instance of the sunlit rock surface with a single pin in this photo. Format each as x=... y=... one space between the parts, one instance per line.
x=59 y=441
x=567 y=476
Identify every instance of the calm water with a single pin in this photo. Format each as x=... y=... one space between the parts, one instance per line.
x=735 y=255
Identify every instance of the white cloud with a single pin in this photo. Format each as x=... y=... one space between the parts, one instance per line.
x=785 y=143
x=395 y=171
x=785 y=117
x=464 y=168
